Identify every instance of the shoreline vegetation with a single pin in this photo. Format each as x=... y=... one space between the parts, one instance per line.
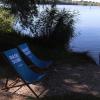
x=84 y=3
x=10 y=39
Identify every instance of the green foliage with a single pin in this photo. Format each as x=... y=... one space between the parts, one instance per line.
x=24 y=9
x=5 y=21
x=55 y=27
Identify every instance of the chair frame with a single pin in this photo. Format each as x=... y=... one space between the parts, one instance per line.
x=13 y=84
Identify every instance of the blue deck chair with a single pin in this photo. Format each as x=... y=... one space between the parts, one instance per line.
x=33 y=58
x=23 y=71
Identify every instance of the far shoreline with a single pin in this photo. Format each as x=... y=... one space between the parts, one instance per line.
x=74 y=3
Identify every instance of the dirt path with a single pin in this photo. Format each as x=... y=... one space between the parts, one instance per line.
x=65 y=78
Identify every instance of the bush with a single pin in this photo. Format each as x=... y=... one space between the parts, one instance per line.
x=5 y=21
x=54 y=28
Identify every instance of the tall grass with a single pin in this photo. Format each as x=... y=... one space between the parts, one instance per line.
x=54 y=28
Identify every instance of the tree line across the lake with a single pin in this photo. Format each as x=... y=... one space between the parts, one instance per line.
x=69 y=2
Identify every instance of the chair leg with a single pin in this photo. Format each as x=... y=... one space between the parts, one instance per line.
x=32 y=90
x=42 y=92
x=6 y=82
x=6 y=88
x=17 y=90
x=27 y=84
x=12 y=85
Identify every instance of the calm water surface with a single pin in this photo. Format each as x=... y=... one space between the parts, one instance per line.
x=87 y=29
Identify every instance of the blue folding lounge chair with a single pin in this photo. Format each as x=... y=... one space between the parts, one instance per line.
x=33 y=58
x=24 y=72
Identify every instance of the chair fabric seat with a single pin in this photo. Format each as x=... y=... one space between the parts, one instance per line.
x=21 y=68
x=33 y=58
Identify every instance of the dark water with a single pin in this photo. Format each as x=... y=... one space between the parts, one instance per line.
x=87 y=29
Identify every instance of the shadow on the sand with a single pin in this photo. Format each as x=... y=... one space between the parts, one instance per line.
x=66 y=82
x=71 y=96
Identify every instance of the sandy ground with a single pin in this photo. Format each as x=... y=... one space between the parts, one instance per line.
x=65 y=78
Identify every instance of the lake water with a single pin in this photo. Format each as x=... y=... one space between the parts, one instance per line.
x=87 y=29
